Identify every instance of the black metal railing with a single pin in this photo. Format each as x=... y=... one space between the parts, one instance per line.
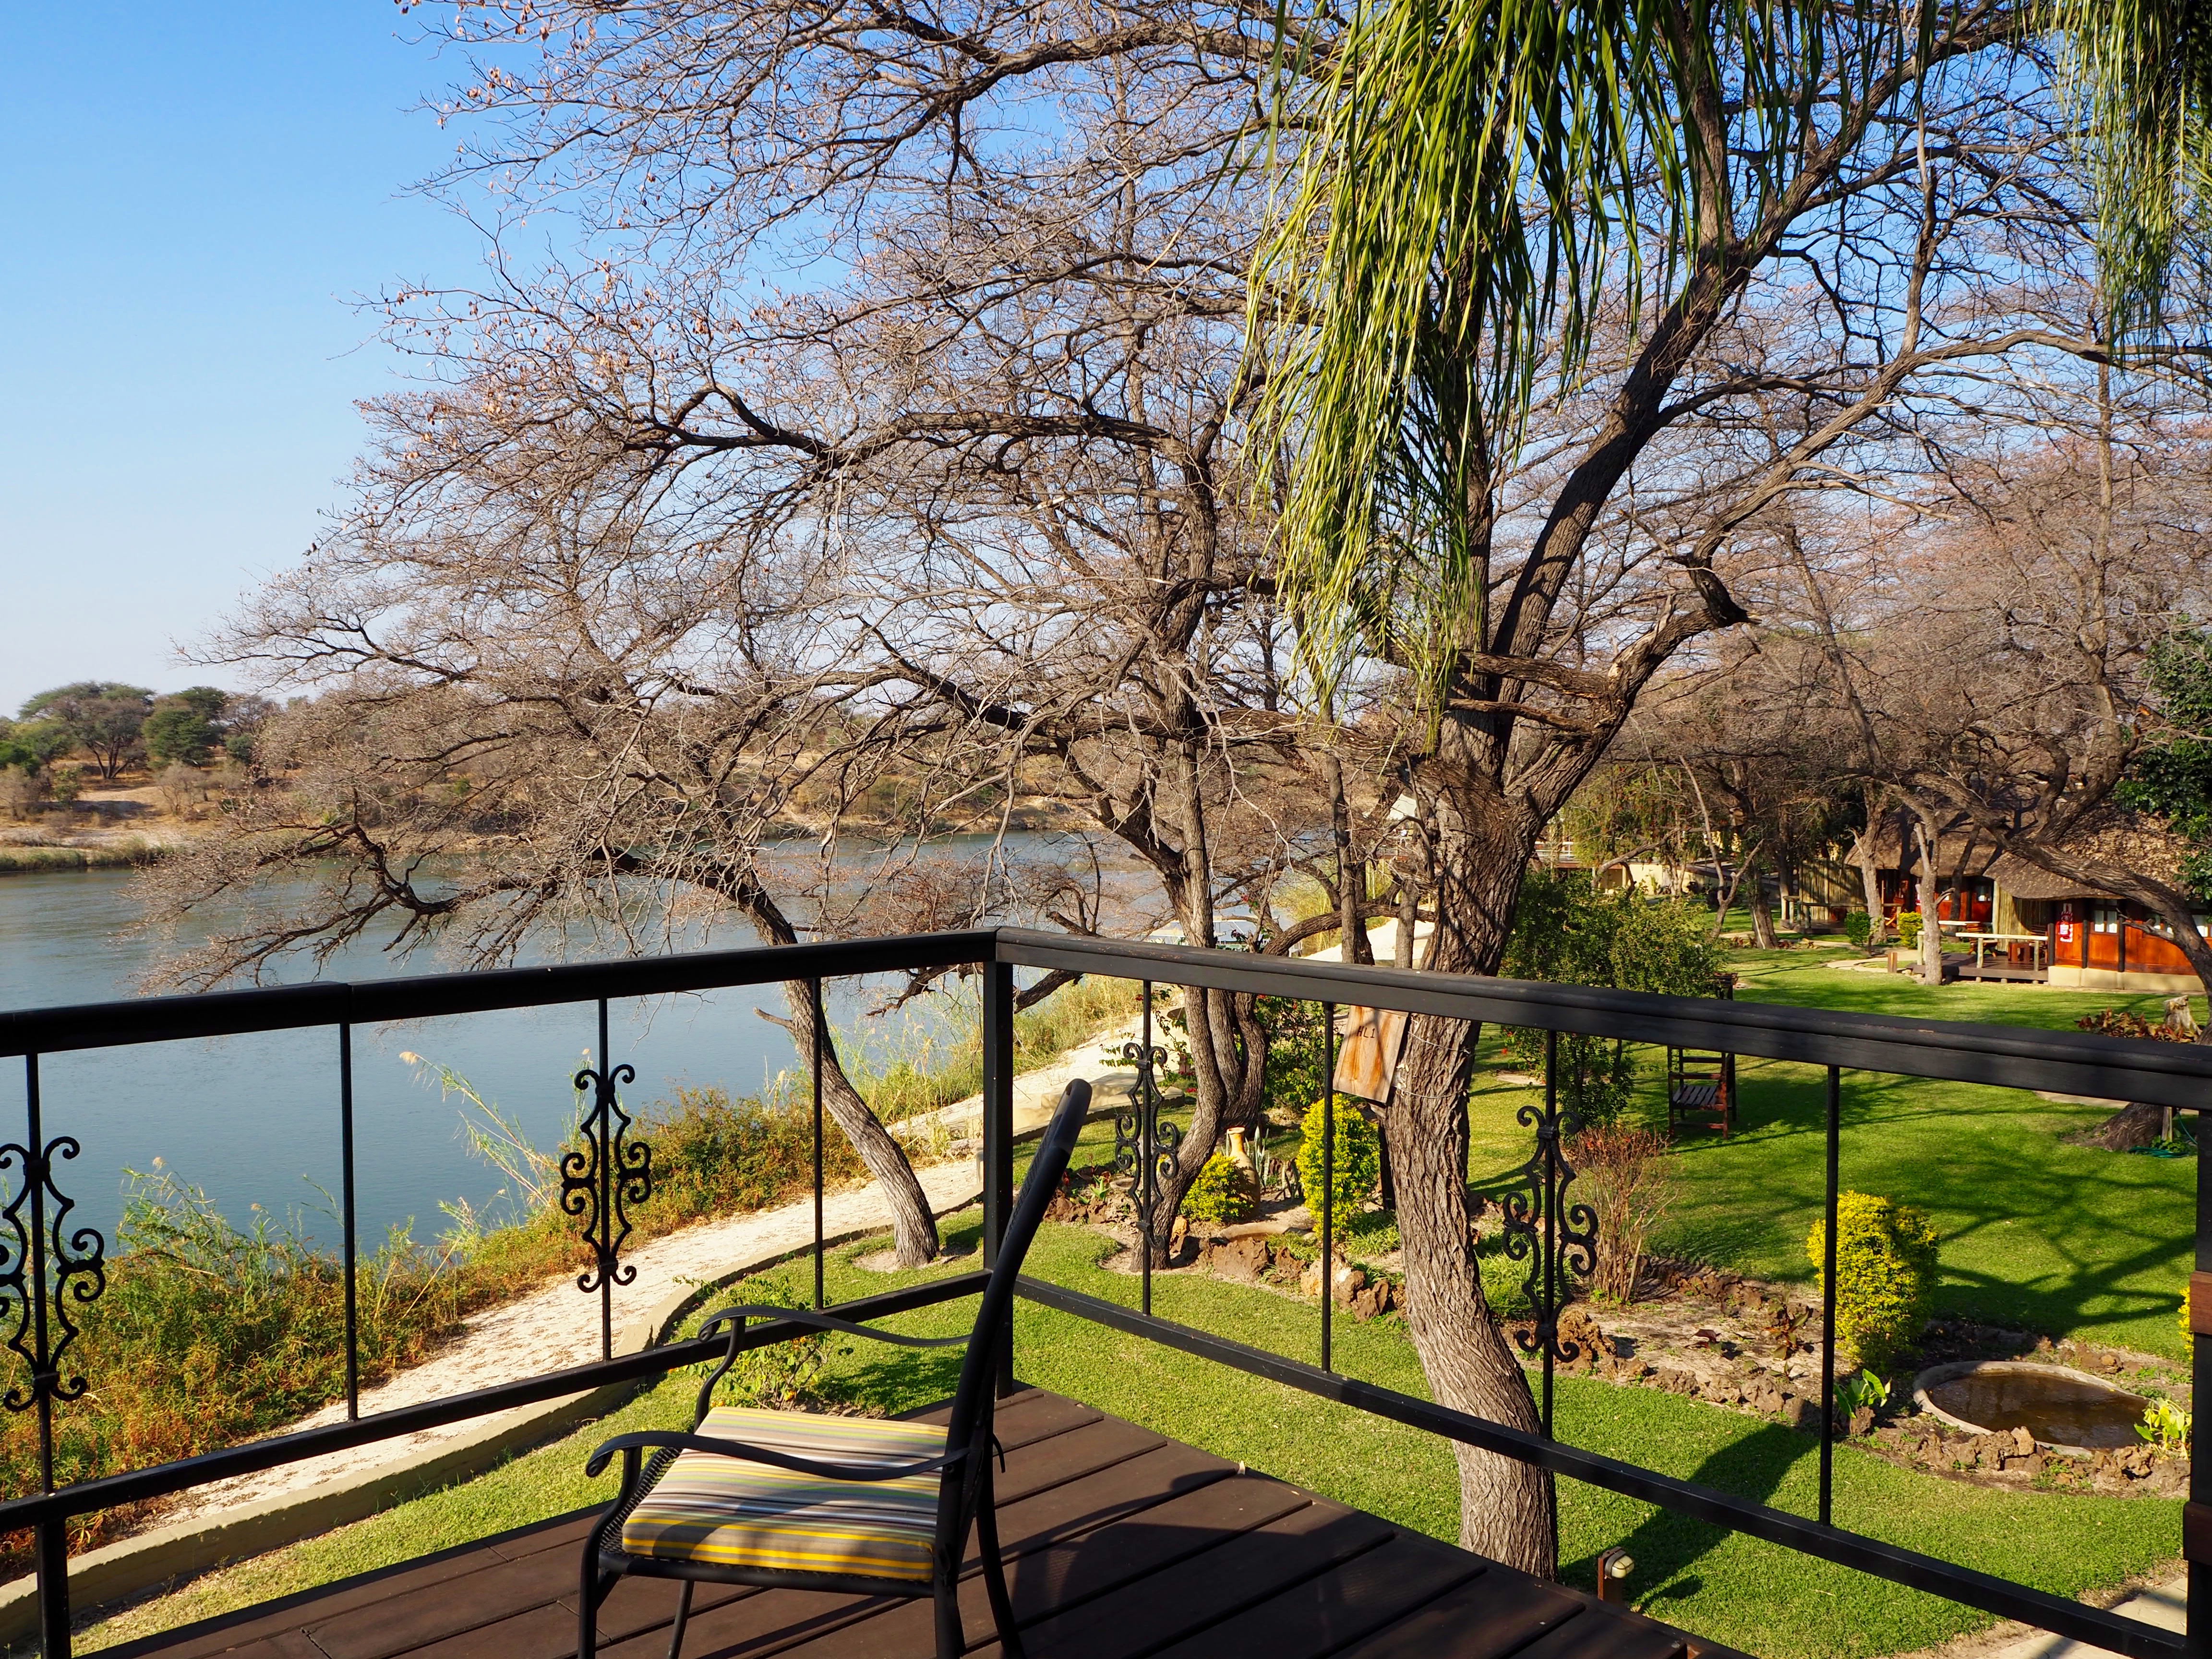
x=46 y=1266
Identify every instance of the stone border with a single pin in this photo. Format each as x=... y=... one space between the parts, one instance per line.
x=183 y=1549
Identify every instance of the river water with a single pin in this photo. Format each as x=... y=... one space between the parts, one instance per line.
x=253 y=1119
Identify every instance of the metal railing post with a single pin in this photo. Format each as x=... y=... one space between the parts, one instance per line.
x=998 y=1132
x=1148 y=1116
x=52 y=1537
x=601 y=1180
x=1828 y=1304
x=1328 y=1174
x=821 y=1018
x=348 y=1221
x=1547 y=1148
x=2196 y=1514
x=53 y=1547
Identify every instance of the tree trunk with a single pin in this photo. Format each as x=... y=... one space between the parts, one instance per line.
x=1505 y=1506
x=914 y=1229
x=1351 y=874
x=1862 y=854
x=1762 y=912
x=1931 y=936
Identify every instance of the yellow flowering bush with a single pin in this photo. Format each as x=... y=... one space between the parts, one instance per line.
x=1885 y=1272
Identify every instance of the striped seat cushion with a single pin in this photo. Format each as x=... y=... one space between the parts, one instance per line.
x=727 y=1511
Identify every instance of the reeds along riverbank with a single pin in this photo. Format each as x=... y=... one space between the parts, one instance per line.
x=44 y=858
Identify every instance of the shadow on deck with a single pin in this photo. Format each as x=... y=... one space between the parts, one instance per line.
x=1120 y=1544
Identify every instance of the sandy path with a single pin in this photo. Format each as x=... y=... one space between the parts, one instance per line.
x=558 y=1326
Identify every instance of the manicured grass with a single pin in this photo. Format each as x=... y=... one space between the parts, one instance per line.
x=1766 y=1599
x=2058 y=1239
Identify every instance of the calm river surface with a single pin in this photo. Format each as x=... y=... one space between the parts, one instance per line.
x=253 y=1119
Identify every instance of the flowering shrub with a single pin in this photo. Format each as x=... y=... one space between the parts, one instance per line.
x=1885 y=1272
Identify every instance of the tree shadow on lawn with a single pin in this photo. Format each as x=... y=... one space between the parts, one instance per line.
x=1665 y=1545
x=2034 y=1232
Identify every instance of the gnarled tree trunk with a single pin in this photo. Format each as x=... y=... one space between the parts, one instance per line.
x=914 y=1230
x=1505 y=1506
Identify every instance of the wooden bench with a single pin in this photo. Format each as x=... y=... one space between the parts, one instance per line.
x=1700 y=1089
x=1701 y=1084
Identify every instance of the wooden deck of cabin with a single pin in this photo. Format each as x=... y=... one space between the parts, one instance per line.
x=1120 y=1544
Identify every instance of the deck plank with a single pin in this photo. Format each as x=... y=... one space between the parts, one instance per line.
x=1332 y=1610
x=1495 y=1616
x=1120 y=1544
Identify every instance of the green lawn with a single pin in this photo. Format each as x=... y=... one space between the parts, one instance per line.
x=2065 y=1240
x=1768 y=1600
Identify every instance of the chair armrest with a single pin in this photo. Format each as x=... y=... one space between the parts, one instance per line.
x=715 y=1321
x=752 y=1454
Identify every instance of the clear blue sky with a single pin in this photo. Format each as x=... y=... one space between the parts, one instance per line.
x=191 y=200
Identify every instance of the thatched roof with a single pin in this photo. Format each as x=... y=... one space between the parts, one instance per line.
x=2117 y=838
x=1957 y=853
x=2024 y=880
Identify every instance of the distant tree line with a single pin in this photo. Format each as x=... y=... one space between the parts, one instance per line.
x=114 y=726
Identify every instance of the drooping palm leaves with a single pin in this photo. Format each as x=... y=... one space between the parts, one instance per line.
x=2138 y=75
x=1467 y=179
x=1469 y=175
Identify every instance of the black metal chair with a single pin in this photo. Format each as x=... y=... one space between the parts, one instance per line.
x=855 y=1505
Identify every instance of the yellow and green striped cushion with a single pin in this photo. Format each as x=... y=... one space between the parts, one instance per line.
x=725 y=1510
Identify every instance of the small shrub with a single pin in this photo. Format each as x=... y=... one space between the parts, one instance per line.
x=1908 y=930
x=1858 y=927
x=1222 y=1194
x=712 y=1155
x=2166 y=1427
x=1623 y=1175
x=1885 y=1269
x=1861 y=1389
x=1565 y=933
x=1356 y=1162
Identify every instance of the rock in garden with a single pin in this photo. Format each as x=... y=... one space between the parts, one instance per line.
x=2022 y=1441
x=1801 y=1414
x=1241 y=1259
x=1861 y=1421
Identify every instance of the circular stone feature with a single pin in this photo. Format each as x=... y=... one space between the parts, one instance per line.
x=2068 y=1410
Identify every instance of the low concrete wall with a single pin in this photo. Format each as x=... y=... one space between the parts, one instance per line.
x=148 y=1560
x=2107 y=979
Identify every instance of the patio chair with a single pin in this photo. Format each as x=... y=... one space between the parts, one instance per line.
x=846 y=1504
x=1700 y=1089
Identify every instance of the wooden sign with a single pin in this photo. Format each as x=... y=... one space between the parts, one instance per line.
x=1367 y=1063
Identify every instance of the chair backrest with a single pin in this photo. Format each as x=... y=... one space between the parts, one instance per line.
x=971 y=1402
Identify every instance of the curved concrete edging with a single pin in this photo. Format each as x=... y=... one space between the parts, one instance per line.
x=185 y=1548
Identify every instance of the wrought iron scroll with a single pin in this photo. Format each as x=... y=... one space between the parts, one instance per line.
x=1145 y=1148
x=1557 y=1238
x=45 y=1266
x=602 y=1178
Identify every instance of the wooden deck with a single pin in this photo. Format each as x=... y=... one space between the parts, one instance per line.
x=1121 y=1544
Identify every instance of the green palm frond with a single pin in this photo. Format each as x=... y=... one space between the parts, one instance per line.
x=2137 y=74
x=1468 y=175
